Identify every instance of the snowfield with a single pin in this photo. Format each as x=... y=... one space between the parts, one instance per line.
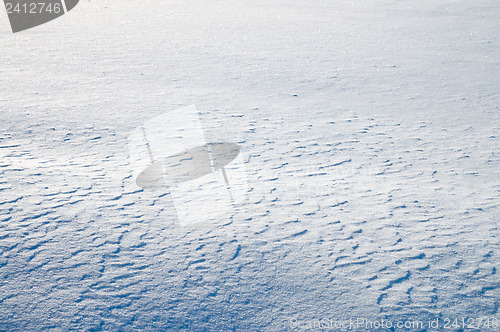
x=370 y=136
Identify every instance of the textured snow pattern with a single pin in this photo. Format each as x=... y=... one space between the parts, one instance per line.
x=369 y=132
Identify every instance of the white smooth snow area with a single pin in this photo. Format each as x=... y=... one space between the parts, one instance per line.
x=369 y=133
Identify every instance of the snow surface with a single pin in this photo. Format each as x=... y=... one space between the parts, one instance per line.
x=370 y=134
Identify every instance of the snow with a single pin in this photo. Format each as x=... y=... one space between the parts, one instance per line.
x=370 y=135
